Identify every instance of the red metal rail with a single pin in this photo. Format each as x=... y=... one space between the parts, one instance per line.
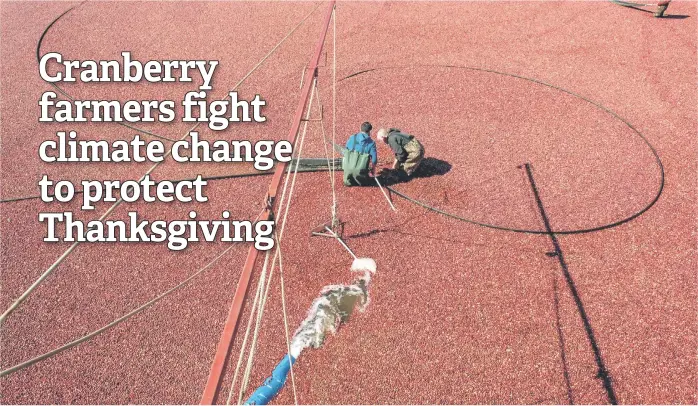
x=231 y=324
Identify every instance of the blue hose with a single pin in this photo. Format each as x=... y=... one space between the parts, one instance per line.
x=273 y=384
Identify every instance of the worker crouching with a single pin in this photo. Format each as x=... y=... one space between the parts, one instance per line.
x=409 y=152
x=661 y=8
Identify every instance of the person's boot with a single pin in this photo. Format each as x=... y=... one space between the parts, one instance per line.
x=661 y=8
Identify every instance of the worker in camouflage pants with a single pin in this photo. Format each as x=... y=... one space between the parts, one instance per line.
x=661 y=8
x=409 y=152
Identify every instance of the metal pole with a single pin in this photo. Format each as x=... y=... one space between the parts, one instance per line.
x=341 y=242
x=230 y=328
x=385 y=194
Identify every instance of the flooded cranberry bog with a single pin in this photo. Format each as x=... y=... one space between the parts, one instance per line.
x=544 y=253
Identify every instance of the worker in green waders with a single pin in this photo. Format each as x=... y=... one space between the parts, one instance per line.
x=360 y=158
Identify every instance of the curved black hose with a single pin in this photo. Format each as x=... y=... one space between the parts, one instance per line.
x=633 y=216
x=435 y=209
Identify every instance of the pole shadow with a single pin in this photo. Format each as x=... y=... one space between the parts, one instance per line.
x=561 y=343
x=603 y=373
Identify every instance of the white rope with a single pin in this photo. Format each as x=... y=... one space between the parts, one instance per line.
x=295 y=170
x=346 y=247
x=330 y=164
x=384 y=194
x=253 y=344
x=252 y=312
x=287 y=203
x=334 y=109
x=249 y=327
x=254 y=306
x=152 y=168
x=283 y=308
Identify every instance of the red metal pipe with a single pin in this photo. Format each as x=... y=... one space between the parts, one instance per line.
x=231 y=323
x=305 y=94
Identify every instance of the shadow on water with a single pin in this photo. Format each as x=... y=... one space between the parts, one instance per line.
x=561 y=343
x=429 y=167
x=603 y=374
